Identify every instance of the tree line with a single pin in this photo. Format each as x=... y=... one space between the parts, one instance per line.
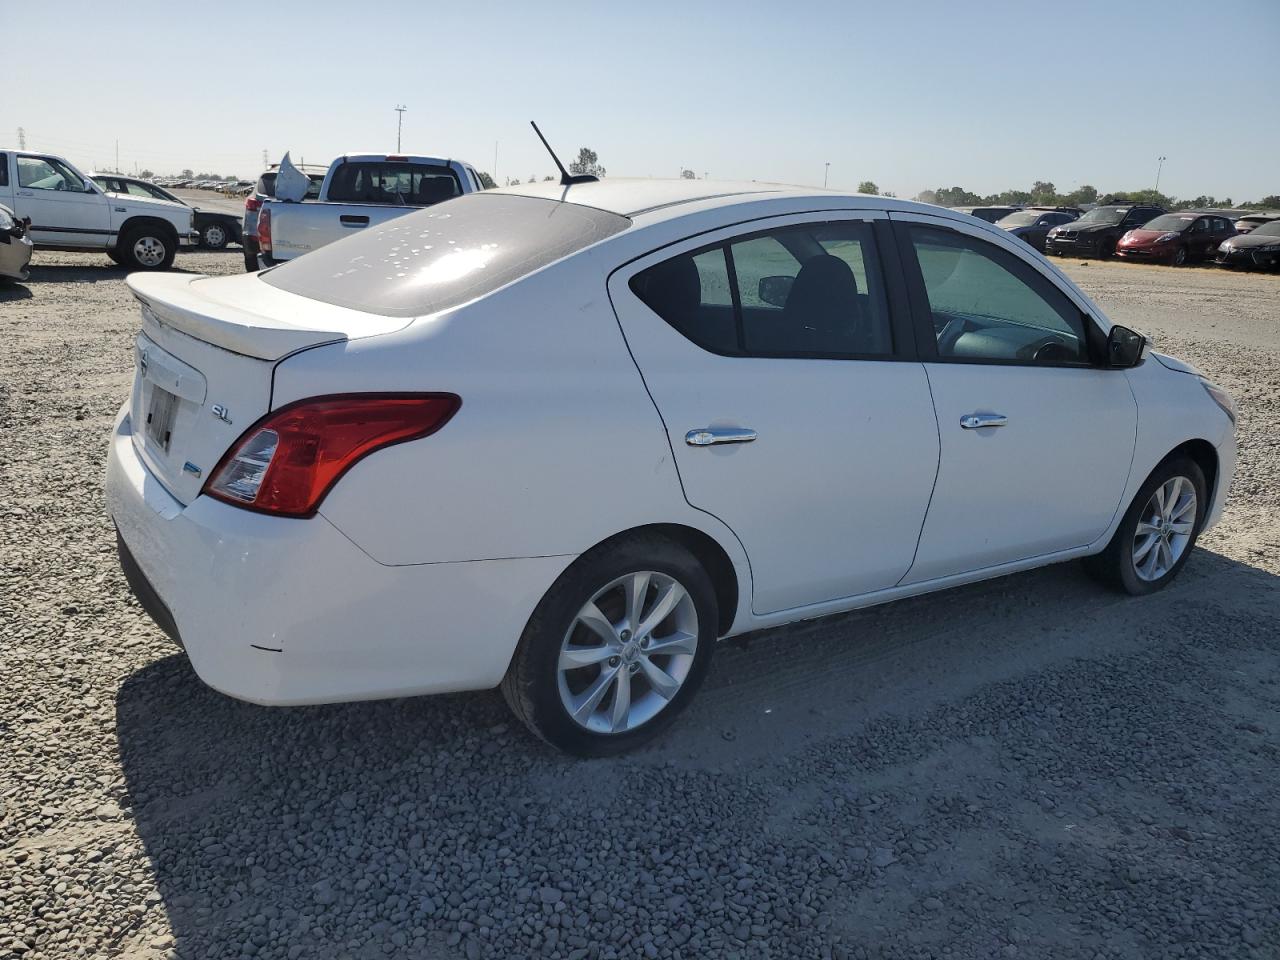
x=1045 y=194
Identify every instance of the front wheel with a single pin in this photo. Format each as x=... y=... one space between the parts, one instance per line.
x=616 y=649
x=147 y=248
x=1179 y=257
x=1158 y=531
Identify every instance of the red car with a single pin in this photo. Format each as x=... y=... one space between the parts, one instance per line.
x=1176 y=238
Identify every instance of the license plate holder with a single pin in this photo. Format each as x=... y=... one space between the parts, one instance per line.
x=160 y=416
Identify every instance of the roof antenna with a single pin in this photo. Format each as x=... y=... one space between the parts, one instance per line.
x=566 y=178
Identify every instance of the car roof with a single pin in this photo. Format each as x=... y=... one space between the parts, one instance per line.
x=654 y=200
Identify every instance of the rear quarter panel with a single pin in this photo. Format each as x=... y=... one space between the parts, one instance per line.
x=555 y=448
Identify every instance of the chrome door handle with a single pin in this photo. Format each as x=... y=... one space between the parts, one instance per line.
x=706 y=436
x=976 y=421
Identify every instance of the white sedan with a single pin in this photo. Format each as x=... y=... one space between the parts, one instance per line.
x=563 y=439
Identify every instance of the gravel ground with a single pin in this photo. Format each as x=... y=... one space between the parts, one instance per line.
x=1029 y=767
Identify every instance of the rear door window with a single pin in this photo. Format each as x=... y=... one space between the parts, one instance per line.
x=813 y=290
x=4 y=170
x=403 y=184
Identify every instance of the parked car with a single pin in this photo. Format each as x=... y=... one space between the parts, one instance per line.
x=989 y=214
x=1032 y=224
x=563 y=438
x=214 y=228
x=15 y=245
x=1260 y=247
x=1097 y=232
x=68 y=211
x=1251 y=221
x=263 y=191
x=1175 y=238
x=359 y=191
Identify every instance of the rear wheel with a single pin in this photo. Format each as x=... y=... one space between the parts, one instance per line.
x=215 y=236
x=145 y=247
x=616 y=649
x=1158 y=531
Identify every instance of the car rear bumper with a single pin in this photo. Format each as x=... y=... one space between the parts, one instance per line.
x=283 y=611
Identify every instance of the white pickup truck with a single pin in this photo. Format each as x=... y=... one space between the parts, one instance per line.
x=360 y=190
x=69 y=211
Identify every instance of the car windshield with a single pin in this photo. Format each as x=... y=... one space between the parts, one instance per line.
x=445 y=255
x=1169 y=223
x=1269 y=229
x=1023 y=218
x=1109 y=215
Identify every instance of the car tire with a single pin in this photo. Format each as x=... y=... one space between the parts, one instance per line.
x=1149 y=547
x=561 y=664
x=215 y=236
x=1179 y=257
x=115 y=256
x=145 y=247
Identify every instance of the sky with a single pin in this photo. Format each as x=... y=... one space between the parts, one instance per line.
x=910 y=95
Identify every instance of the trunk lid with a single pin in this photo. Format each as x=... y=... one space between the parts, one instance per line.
x=204 y=362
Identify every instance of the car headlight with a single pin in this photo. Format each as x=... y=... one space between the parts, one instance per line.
x=1055 y=231
x=1166 y=237
x=6 y=221
x=1221 y=398
x=1224 y=246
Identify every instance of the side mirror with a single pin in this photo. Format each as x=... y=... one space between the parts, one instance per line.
x=1124 y=347
x=775 y=290
x=89 y=187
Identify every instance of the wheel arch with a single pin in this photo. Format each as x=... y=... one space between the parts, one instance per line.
x=709 y=553
x=1205 y=456
x=165 y=226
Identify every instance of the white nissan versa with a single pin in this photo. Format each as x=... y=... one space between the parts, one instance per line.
x=563 y=438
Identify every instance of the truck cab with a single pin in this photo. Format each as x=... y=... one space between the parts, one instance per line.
x=68 y=211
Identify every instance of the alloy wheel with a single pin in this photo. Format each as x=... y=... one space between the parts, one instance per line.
x=149 y=251
x=628 y=652
x=1164 y=528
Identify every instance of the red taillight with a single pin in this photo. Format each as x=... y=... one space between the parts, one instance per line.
x=288 y=461
x=264 y=230
x=252 y=203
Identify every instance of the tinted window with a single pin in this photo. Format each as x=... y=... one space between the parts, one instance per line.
x=435 y=259
x=989 y=305
x=1170 y=223
x=45 y=173
x=407 y=184
x=807 y=291
x=4 y=170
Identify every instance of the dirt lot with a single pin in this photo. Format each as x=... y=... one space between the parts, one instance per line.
x=1029 y=767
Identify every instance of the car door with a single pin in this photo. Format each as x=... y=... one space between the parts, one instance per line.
x=1036 y=441
x=6 y=184
x=781 y=360
x=63 y=210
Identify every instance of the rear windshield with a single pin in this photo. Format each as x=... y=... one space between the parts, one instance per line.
x=435 y=259
x=403 y=184
x=267 y=185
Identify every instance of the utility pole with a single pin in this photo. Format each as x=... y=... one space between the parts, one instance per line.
x=495 y=162
x=265 y=164
x=400 y=109
x=22 y=139
x=117 y=156
x=826 y=169
x=1159 y=167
